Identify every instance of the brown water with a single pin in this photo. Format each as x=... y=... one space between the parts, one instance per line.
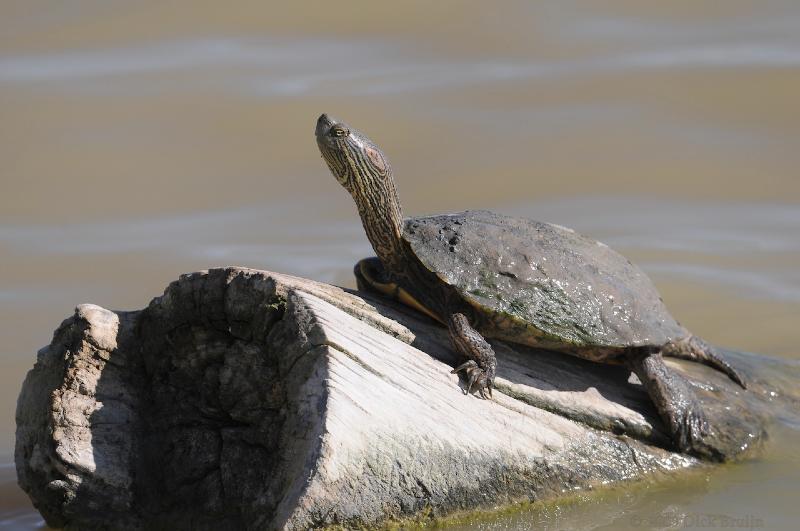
x=140 y=140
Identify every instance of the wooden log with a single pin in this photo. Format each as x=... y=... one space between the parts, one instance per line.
x=244 y=399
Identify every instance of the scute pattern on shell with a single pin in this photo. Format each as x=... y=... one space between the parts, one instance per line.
x=547 y=279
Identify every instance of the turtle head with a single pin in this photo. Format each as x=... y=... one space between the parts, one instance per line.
x=353 y=159
x=363 y=170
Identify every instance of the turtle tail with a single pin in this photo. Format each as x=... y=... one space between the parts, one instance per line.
x=693 y=348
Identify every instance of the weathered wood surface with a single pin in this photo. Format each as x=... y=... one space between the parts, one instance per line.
x=256 y=400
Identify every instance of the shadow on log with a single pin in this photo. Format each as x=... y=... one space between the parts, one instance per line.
x=244 y=399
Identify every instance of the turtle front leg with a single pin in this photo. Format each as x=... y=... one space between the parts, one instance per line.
x=482 y=363
x=676 y=403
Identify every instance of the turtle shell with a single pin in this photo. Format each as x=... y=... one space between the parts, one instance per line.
x=541 y=284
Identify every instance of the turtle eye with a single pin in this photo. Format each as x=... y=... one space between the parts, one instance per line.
x=339 y=132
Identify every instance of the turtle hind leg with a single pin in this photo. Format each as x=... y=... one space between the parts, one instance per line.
x=482 y=363
x=676 y=403
x=693 y=348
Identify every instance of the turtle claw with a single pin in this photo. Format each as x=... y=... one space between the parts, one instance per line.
x=693 y=435
x=476 y=378
x=690 y=429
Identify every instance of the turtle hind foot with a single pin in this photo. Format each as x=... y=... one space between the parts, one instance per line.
x=476 y=378
x=693 y=348
x=690 y=429
x=678 y=407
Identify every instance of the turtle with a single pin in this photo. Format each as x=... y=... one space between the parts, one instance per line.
x=488 y=275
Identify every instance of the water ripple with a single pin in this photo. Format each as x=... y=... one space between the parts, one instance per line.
x=281 y=68
x=750 y=248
